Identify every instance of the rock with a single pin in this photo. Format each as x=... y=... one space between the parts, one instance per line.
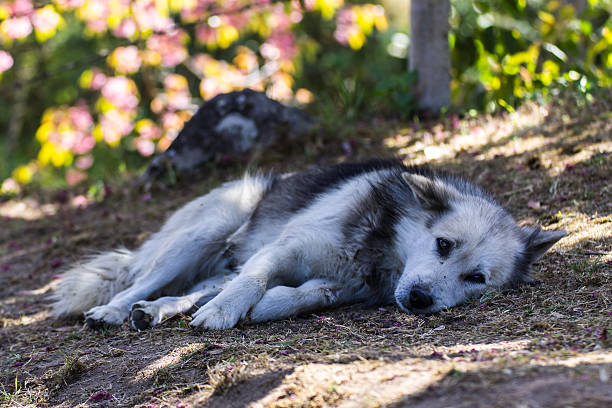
x=230 y=124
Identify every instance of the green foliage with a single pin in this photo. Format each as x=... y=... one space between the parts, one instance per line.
x=505 y=51
x=396 y=93
x=350 y=84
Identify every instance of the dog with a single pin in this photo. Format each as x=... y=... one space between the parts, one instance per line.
x=271 y=246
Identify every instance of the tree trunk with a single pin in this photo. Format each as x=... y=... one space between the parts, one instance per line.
x=429 y=52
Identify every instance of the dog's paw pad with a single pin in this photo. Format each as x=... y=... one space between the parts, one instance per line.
x=140 y=320
x=144 y=315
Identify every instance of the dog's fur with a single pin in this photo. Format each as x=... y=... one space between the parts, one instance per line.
x=271 y=246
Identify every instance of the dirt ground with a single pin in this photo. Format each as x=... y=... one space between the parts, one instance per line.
x=541 y=345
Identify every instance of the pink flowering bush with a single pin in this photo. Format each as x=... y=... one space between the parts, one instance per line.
x=124 y=76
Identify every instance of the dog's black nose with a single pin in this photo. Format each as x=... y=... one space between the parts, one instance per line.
x=420 y=298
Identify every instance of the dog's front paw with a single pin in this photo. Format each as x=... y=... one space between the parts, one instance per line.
x=211 y=316
x=103 y=316
x=144 y=315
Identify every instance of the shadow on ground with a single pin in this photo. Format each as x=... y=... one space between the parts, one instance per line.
x=538 y=345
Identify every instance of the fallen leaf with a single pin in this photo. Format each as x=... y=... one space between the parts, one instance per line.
x=534 y=204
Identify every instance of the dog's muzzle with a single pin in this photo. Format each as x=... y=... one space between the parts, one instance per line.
x=418 y=300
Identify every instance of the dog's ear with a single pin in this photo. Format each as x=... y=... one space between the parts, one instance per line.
x=538 y=241
x=432 y=195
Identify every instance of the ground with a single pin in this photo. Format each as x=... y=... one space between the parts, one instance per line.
x=546 y=344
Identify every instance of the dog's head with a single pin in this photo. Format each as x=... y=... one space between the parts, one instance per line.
x=468 y=244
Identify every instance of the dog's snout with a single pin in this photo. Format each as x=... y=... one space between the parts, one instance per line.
x=420 y=298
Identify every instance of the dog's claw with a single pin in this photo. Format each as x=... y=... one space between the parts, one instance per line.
x=101 y=317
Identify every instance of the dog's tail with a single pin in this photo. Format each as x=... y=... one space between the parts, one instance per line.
x=92 y=283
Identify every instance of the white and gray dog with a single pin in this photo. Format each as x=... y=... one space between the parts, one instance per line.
x=272 y=246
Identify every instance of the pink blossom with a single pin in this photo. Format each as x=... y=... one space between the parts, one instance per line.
x=170 y=47
x=80 y=118
x=147 y=130
x=280 y=45
x=74 y=177
x=279 y=20
x=175 y=82
x=144 y=146
x=21 y=7
x=210 y=87
x=69 y=4
x=177 y=92
x=97 y=25
x=190 y=13
x=126 y=28
x=345 y=25
x=179 y=100
x=345 y=16
x=206 y=34
x=95 y=14
x=172 y=121
x=295 y=16
x=238 y=20
x=6 y=61
x=83 y=143
x=84 y=162
x=10 y=185
x=126 y=59
x=310 y=4
x=121 y=92
x=115 y=125
x=148 y=17
x=45 y=19
x=16 y=27
x=280 y=88
x=98 y=79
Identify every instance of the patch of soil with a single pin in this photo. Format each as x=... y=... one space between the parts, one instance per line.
x=546 y=344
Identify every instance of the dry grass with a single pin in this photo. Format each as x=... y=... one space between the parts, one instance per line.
x=546 y=344
x=72 y=369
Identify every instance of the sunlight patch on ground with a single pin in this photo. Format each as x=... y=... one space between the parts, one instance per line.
x=23 y=320
x=174 y=357
x=584 y=228
x=361 y=383
x=438 y=144
x=511 y=345
x=521 y=146
x=375 y=383
x=27 y=209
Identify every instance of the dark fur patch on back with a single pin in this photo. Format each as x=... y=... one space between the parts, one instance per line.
x=291 y=193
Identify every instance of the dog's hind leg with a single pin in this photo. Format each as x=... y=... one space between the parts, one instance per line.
x=145 y=314
x=283 y=301
x=187 y=249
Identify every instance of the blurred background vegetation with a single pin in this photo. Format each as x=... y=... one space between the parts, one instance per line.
x=91 y=88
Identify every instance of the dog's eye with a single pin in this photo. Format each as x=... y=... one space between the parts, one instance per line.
x=444 y=246
x=475 y=278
